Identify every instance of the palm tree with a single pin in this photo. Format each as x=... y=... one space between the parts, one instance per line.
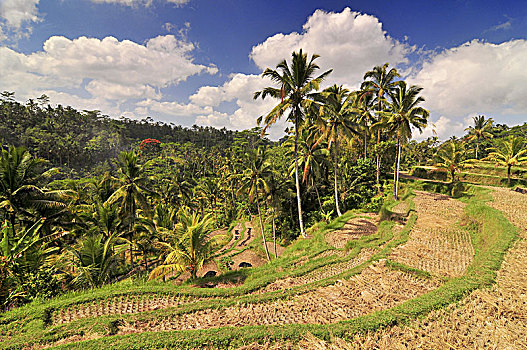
x=362 y=106
x=20 y=174
x=509 y=152
x=132 y=192
x=337 y=121
x=189 y=246
x=94 y=259
x=276 y=190
x=296 y=84
x=479 y=131
x=379 y=82
x=253 y=182
x=404 y=113
x=311 y=157
x=13 y=248
x=452 y=156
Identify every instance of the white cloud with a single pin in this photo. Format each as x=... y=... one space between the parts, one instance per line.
x=113 y=72
x=349 y=42
x=476 y=77
x=112 y=91
x=239 y=88
x=16 y=17
x=16 y=12
x=171 y=108
x=444 y=127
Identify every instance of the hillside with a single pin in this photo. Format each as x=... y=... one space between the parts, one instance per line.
x=361 y=272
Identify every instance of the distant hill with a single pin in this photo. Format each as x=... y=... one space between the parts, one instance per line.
x=80 y=140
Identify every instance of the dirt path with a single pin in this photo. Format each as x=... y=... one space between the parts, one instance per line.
x=437 y=243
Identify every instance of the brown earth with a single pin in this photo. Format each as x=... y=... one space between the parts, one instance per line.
x=437 y=243
x=353 y=229
x=376 y=288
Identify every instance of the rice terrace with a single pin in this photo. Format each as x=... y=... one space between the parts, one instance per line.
x=375 y=197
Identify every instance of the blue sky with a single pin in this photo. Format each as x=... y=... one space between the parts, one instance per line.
x=191 y=61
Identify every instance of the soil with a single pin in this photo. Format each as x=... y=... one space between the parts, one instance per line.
x=376 y=288
x=437 y=243
x=353 y=229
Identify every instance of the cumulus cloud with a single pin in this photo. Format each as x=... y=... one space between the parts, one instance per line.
x=16 y=17
x=476 y=77
x=349 y=42
x=239 y=88
x=444 y=127
x=171 y=108
x=112 y=72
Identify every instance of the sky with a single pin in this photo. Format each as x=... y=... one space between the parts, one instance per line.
x=200 y=61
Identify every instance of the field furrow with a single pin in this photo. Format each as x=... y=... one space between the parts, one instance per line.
x=494 y=318
x=320 y=273
x=437 y=243
x=376 y=288
x=126 y=304
x=355 y=228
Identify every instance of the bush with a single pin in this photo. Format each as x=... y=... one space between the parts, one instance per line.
x=458 y=189
x=429 y=173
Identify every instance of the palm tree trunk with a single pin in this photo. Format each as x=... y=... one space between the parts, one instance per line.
x=131 y=246
x=298 y=183
x=378 y=159
x=509 y=175
x=365 y=143
x=262 y=228
x=335 y=179
x=274 y=236
x=477 y=148
x=398 y=166
x=318 y=195
x=396 y=184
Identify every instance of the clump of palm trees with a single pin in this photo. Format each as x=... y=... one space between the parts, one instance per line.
x=384 y=105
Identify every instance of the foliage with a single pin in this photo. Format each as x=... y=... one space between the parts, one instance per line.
x=190 y=246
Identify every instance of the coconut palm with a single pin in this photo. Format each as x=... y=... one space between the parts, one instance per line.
x=479 y=131
x=362 y=106
x=295 y=86
x=253 y=183
x=312 y=157
x=94 y=259
x=189 y=246
x=452 y=156
x=379 y=82
x=509 y=152
x=404 y=113
x=20 y=174
x=337 y=121
x=131 y=192
x=276 y=190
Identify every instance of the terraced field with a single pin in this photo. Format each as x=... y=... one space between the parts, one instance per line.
x=386 y=265
x=376 y=288
x=492 y=318
x=437 y=244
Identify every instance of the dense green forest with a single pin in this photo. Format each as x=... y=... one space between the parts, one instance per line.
x=86 y=199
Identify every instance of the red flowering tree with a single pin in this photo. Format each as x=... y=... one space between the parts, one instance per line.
x=150 y=146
